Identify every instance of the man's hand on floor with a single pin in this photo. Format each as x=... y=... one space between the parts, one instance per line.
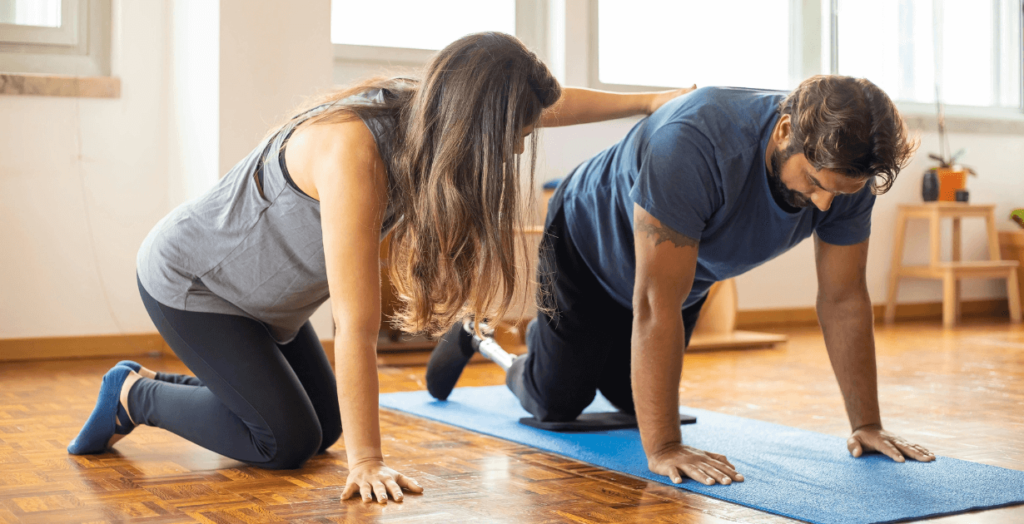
x=703 y=466
x=874 y=438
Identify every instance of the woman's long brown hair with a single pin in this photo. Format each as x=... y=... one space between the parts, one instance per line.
x=455 y=176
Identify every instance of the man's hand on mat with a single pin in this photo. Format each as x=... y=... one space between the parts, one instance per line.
x=703 y=466
x=659 y=99
x=375 y=479
x=873 y=438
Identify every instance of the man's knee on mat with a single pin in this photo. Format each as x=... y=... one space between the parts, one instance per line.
x=559 y=412
x=546 y=406
x=621 y=402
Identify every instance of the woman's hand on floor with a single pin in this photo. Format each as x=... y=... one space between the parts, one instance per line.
x=371 y=479
x=703 y=466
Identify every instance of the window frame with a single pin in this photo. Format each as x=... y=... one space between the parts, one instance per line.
x=79 y=47
x=977 y=119
x=531 y=27
x=66 y=34
x=814 y=50
x=804 y=47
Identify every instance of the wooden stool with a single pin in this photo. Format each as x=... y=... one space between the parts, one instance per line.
x=716 y=326
x=951 y=272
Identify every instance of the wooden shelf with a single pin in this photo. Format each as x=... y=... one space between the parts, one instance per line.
x=979 y=269
x=27 y=84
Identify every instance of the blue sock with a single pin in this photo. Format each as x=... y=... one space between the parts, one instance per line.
x=134 y=366
x=103 y=423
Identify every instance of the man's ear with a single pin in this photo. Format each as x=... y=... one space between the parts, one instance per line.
x=783 y=129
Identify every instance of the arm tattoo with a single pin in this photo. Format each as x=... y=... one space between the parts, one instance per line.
x=663 y=233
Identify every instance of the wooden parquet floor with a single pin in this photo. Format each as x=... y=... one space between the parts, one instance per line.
x=960 y=393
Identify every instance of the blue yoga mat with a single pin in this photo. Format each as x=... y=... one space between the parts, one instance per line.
x=790 y=472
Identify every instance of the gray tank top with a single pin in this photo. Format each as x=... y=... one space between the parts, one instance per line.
x=236 y=251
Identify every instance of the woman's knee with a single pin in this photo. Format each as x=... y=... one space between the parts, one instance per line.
x=331 y=434
x=295 y=445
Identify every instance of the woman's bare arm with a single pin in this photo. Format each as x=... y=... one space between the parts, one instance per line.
x=348 y=177
x=581 y=106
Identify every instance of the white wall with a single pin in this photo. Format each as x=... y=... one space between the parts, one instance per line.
x=240 y=67
x=193 y=102
x=273 y=56
x=82 y=182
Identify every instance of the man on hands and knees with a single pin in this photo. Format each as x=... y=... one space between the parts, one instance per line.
x=708 y=187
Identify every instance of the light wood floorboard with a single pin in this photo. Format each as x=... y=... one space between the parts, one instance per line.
x=959 y=392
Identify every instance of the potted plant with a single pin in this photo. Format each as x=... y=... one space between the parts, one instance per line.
x=1011 y=244
x=944 y=181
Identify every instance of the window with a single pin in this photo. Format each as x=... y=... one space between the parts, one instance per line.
x=36 y=13
x=969 y=51
x=423 y=25
x=67 y=37
x=741 y=43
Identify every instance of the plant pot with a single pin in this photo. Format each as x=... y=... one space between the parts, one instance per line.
x=951 y=180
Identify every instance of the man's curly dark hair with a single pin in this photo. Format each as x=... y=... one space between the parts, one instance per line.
x=850 y=126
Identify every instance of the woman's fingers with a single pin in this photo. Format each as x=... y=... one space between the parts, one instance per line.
x=408 y=483
x=393 y=489
x=380 y=482
x=351 y=488
x=380 y=491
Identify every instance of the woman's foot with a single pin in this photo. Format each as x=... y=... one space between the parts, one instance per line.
x=109 y=421
x=136 y=367
x=124 y=417
x=162 y=377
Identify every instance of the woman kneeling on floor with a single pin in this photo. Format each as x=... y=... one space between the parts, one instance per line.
x=231 y=278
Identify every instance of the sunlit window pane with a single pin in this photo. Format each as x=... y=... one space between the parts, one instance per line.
x=967 y=49
x=42 y=13
x=742 y=43
x=418 y=24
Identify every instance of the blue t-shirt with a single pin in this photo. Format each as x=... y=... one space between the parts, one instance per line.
x=698 y=165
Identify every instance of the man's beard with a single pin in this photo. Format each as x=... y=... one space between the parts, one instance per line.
x=783 y=195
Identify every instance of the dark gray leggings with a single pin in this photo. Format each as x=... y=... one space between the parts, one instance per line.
x=267 y=404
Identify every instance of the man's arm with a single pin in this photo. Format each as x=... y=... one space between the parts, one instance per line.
x=847 y=321
x=665 y=264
